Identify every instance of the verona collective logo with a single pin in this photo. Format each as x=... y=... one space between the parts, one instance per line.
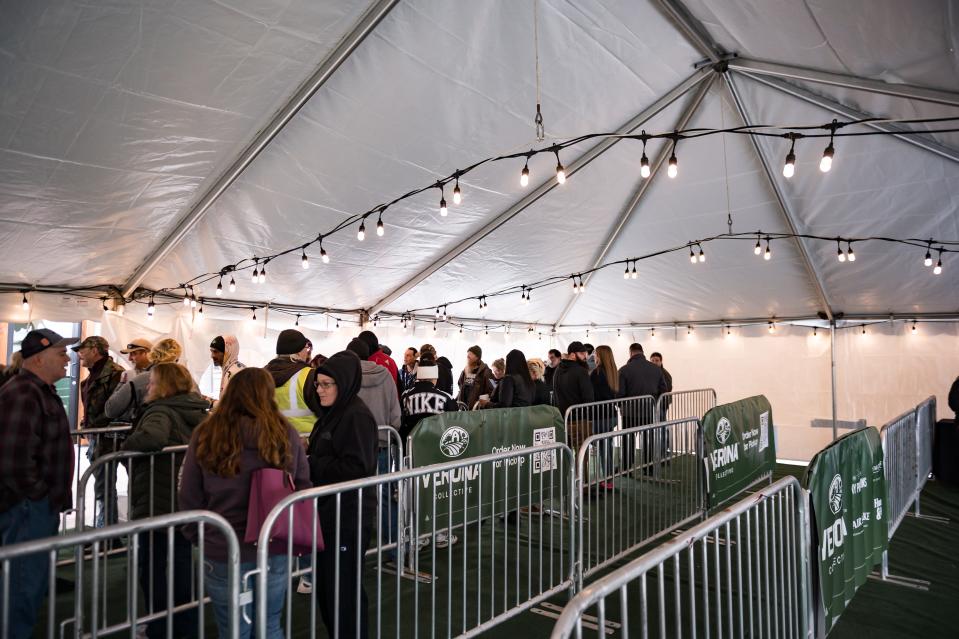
x=454 y=441
x=723 y=428
x=835 y=495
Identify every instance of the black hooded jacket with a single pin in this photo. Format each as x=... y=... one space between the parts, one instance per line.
x=343 y=444
x=571 y=385
x=283 y=368
x=445 y=381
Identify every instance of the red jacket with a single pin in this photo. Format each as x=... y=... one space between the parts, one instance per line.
x=381 y=358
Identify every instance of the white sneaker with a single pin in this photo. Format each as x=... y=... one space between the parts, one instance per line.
x=444 y=540
x=304 y=587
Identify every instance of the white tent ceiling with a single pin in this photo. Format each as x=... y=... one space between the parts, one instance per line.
x=118 y=118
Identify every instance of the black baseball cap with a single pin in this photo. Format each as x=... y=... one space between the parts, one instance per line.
x=41 y=339
x=576 y=347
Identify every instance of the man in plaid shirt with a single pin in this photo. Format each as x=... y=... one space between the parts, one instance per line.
x=36 y=467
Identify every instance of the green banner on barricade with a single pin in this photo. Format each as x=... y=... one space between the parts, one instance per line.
x=457 y=436
x=740 y=446
x=847 y=487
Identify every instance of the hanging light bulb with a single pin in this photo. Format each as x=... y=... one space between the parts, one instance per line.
x=254 y=313
x=689 y=330
x=913 y=327
x=758 y=249
x=938 y=268
x=103 y=304
x=361 y=232
x=702 y=254
x=525 y=300
x=25 y=303
x=457 y=194
x=380 y=230
x=575 y=286
x=560 y=171
x=232 y=285
x=839 y=252
x=199 y=313
x=434 y=326
x=652 y=332
x=524 y=174
x=826 y=162
x=928 y=260
x=634 y=274
x=323 y=255
x=186 y=299
x=192 y=300
x=219 y=287
x=673 y=169
x=729 y=330
x=582 y=284
x=815 y=331
x=304 y=260
x=262 y=277
x=863 y=329
x=626 y=272
x=297 y=322
x=768 y=255
x=789 y=168
x=772 y=328
x=337 y=322
x=851 y=256
x=151 y=309
x=644 y=161
x=692 y=256
x=443 y=209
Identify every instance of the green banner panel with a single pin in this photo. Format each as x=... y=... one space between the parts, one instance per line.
x=847 y=487
x=740 y=446
x=499 y=486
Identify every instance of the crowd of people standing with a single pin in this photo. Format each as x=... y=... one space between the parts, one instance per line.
x=258 y=420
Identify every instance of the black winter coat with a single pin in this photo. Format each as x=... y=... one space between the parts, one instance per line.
x=641 y=377
x=601 y=389
x=511 y=392
x=540 y=393
x=571 y=385
x=343 y=446
x=165 y=422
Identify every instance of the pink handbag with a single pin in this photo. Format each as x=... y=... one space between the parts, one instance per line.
x=267 y=487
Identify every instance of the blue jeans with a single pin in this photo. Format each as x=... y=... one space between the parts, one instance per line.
x=604 y=447
x=29 y=575
x=104 y=483
x=276 y=584
x=389 y=508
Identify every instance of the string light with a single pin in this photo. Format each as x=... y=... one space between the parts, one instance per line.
x=758 y=249
x=103 y=304
x=192 y=299
x=928 y=260
x=644 y=161
x=232 y=285
x=702 y=254
x=337 y=322
x=815 y=331
x=863 y=329
x=692 y=256
x=219 y=287
x=789 y=168
x=443 y=210
x=826 y=162
x=768 y=255
x=256 y=271
x=575 y=286
x=380 y=230
x=913 y=327
x=851 y=255
x=151 y=309
x=626 y=272
x=434 y=326
x=262 y=278
x=634 y=274
x=361 y=232
x=560 y=171
x=186 y=299
x=689 y=330
x=772 y=328
x=673 y=169
x=729 y=330
x=304 y=260
x=938 y=268
x=524 y=174
x=839 y=253
x=199 y=313
x=457 y=195
x=25 y=303
x=323 y=255
x=254 y=313
x=652 y=332
x=297 y=322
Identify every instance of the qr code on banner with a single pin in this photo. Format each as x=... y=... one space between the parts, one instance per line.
x=763 y=431
x=544 y=461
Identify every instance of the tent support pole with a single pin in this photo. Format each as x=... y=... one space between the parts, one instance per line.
x=924 y=94
x=330 y=64
x=638 y=194
x=528 y=200
x=897 y=131
x=783 y=205
x=832 y=372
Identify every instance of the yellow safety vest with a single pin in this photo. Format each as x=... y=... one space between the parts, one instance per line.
x=289 y=397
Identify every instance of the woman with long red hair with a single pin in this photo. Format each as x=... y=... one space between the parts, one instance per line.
x=245 y=433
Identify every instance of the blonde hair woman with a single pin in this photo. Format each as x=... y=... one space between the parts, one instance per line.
x=166 y=351
x=605 y=381
x=541 y=392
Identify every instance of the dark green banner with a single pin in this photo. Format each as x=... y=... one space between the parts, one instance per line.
x=847 y=487
x=740 y=446
x=458 y=493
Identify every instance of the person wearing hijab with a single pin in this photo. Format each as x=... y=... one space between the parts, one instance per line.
x=342 y=447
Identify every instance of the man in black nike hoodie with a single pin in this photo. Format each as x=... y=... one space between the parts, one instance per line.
x=571 y=383
x=342 y=447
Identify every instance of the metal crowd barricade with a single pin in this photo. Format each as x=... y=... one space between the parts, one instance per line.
x=683 y=404
x=103 y=599
x=925 y=430
x=508 y=554
x=132 y=462
x=743 y=572
x=81 y=440
x=643 y=490
x=583 y=420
